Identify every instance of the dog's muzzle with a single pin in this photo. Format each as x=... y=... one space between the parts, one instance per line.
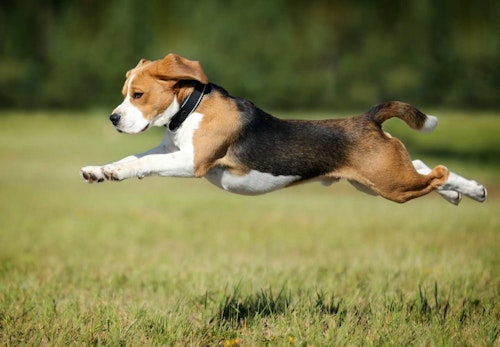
x=115 y=119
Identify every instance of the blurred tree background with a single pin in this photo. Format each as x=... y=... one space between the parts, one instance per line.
x=280 y=54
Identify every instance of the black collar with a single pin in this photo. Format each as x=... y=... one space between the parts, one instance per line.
x=189 y=105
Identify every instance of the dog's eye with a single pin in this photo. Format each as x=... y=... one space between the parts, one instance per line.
x=137 y=95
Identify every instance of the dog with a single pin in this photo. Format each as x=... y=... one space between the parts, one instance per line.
x=244 y=150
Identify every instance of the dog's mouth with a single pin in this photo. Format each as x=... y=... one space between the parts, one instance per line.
x=140 y=131
x=145 y=128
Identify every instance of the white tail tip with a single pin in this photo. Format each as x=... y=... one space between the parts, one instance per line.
x=430 y=124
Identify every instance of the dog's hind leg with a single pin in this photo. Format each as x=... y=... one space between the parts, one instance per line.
x=384 y=166
x=407 y=184
x=455 y=185
x=398 y=183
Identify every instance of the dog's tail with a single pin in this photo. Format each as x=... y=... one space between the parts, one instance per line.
x=413 y=117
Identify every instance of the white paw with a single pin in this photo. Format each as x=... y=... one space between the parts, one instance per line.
x=469 y=188
x=114 y=173
x=480 y=193
x=92 y=174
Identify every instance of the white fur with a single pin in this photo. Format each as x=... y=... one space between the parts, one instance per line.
x=470 y=188
x=252 y=183
x=131 y=120
x=455 y=186
x=173 y=157
x=430 y=124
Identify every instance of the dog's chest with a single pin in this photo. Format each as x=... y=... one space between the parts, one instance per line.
x=252 y=183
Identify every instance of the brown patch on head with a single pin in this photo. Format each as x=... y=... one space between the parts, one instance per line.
x=152 y=85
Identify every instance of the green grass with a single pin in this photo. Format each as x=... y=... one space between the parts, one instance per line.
x=167 y=261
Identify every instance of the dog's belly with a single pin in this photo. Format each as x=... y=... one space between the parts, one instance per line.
x=252 y=183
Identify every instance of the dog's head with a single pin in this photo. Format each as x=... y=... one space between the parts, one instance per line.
x=152 y=91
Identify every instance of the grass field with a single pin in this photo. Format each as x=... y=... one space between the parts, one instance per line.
x=178 y=262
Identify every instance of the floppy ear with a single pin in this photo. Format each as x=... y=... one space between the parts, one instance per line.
x=174 y=67
x=141 y=62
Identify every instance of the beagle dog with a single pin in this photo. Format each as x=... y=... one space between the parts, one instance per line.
x=244 y=150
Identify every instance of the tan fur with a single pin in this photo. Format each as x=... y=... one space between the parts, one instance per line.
x=217 y=131
x=391 y=175
x=381 y=163
x=160 y=94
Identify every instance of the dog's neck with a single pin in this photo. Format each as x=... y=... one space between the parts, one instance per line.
x=189 y=105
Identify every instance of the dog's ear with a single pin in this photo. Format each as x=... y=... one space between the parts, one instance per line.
x=141 y=62
x=174 y=67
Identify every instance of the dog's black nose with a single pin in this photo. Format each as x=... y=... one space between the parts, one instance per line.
x=115 y=118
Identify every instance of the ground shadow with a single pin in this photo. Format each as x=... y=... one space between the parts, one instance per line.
x=236 y=308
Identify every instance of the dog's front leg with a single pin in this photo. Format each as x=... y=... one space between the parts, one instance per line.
x=95 y=173
x=177 y=164
x=92 y=174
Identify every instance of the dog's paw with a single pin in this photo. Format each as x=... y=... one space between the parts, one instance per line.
x=92 y=174
x=451 y=196
x=114 y=173
x=480 y=193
